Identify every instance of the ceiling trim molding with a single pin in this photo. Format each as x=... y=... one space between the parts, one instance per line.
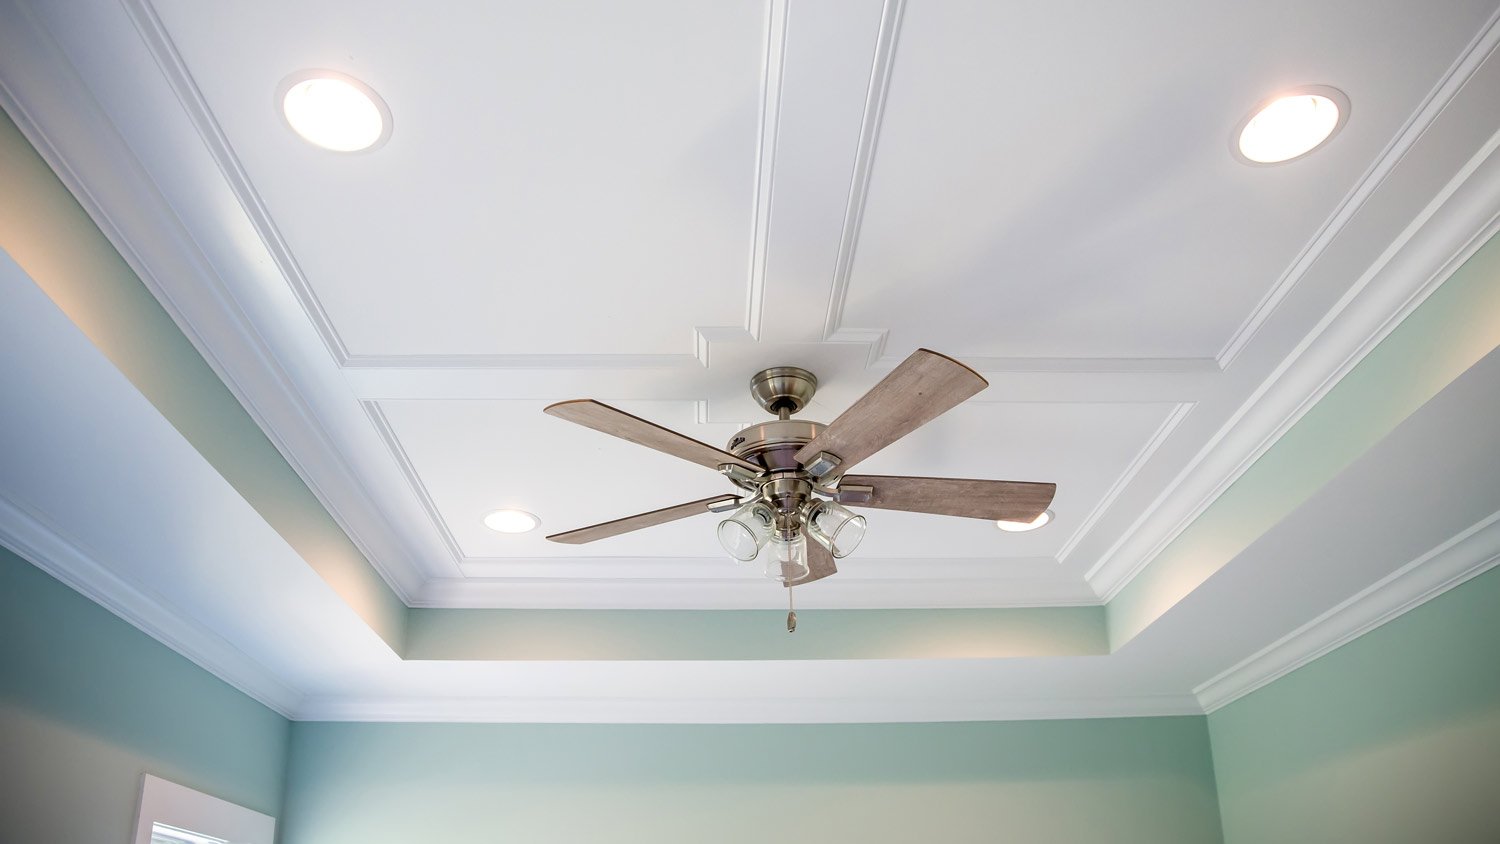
x=398 y=454
x=819 y=710
x=159 y=43
x=34 y=539
x=1142 y=457
x=859 y=184
x=772 y=74
x=1417 y=124
x=1451 y=228
x=174 y=69
x=155 y=243
x=1451 y=564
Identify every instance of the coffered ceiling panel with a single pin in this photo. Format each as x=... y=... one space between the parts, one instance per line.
x=561 y=178
x=1054 y=180
x=470 y=457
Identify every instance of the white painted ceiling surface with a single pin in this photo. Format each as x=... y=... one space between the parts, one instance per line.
x=646 y=205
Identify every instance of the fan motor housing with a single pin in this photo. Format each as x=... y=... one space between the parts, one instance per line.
x=775 y=444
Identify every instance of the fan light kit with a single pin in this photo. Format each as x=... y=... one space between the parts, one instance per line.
x=1290 y=125
x=791 y=509
x=334 y=111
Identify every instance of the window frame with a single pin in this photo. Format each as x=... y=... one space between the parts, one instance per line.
x=169 y=803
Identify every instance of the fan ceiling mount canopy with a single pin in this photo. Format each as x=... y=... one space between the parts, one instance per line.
x=792 y=475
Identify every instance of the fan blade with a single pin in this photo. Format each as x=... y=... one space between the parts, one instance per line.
x=922 y=388
x=617 y=423
x=641 y=520
x=819 y=564
x=1018 y=501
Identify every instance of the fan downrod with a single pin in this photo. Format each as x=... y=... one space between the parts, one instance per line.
x=783 y=390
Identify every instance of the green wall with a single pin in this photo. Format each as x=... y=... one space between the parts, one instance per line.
x=51 y=237
x=1121 y=780
x=1394 y=737
x=89 y=703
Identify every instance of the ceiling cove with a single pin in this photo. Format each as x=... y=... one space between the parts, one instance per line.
x=821 y=190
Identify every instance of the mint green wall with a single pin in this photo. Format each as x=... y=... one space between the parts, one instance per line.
x=478 y=634
x=88 y=703
x=1121 y=780
x=47 y=233
x=1394 y=737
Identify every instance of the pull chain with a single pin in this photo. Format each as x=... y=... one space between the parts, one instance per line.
x=791 y=613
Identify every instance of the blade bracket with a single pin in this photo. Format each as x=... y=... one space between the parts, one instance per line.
x=821 y=464
x=739 y=475
x=853 y=494
x=724 y=506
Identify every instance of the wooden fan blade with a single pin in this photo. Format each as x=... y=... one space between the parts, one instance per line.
x=642 y=520
x=922 y=388
x=617 y=423
x=1018 y=501
x=819 y=564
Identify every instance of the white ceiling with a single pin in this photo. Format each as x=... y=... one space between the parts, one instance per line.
x=645 y=204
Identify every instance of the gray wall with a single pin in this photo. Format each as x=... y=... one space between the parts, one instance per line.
x=89 y=703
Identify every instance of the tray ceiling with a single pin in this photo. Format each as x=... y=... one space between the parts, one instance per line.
x=645 y=204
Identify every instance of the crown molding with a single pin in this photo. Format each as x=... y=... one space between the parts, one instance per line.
x=72 y=133
x=1416 y=125
x=156 y=39
x=782 y=710
x=879 y=88
x=1463 y=215
x=1456 y=561
x=1163 y=431
x=31 y=537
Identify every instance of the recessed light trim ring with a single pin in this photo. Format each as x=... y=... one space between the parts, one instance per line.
x=308 y=134
x=1339 y=99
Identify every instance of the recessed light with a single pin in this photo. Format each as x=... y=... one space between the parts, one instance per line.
x=511 y=521
x=1020 y=527
x=1290 y=125
x=334 y=110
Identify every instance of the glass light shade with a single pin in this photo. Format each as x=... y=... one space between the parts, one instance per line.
x=746 y=531
x=836 y=528
x=788 y=559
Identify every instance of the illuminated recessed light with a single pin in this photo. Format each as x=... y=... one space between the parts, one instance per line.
x=1019 y=527
x=334 y=111
x=511 y=521
x=1290 y=125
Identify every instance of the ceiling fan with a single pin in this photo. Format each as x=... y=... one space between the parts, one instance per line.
x=791 y=473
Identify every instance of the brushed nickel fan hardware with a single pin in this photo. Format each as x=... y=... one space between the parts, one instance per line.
x=740 y=476
x=822 y=463
x=795 y=470
x=725 y=505
x=783 y=389
x=853 y=494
